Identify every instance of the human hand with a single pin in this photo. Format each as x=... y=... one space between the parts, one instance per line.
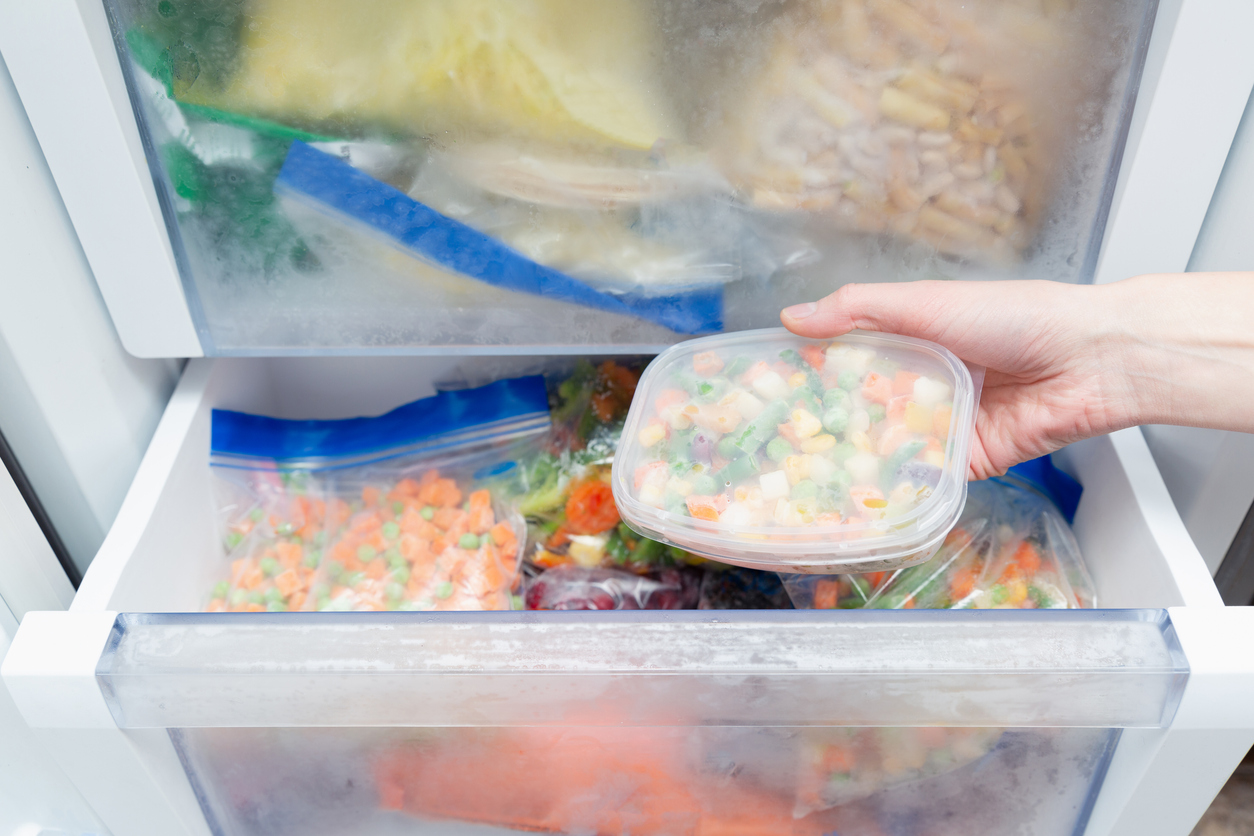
x=1067 y=362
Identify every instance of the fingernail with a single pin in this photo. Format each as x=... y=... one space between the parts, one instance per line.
x=800 y=311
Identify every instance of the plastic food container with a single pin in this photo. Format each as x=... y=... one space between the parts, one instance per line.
x=776 y=452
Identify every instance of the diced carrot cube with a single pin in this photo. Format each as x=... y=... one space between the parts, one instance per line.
x=814 y=355
x=370 y=496
x=903 y=383
x=287 y=582
x=707 y=363
x=839 y=759
x=376 y=569
x=289 y=554
x=297 y=601
x=479 y=500
x=707 y=507
x=403 y=489
x=826 y=594
x=896 y=411
x=216 y=605
x=668 y=398
x=1028 y=558
x=252 y=578
x=446 y=518
x=504 y=537
x=877 y=389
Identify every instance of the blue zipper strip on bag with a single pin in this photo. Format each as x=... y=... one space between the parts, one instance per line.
x=1056 y=485
x=508 y=407
x=328 y=180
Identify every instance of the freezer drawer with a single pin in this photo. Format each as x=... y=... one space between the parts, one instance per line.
x=409 y=177
x=1043 y=722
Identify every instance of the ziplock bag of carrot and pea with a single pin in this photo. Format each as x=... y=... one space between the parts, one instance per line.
x=415 y=509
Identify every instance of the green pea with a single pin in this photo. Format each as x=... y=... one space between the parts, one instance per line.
x=391 y=530
x=704 y=485
x=221 y=589
x=427 y=513
x=366 y=553
x=354 y=578
x=323 y=602
x=319 y=538
x=516 y=602
x=835 y=420
x=466 y=506
x=1000 y=594
x=805 y=489
x=285 y=529
x=334 y=569
x=877 y=413
x=312 y=558
x=779 y=448
x=843 y=451
x=468 y=541
x=234 y=539
x=394 y=591
x=444 y=591
x=398 y=507
x=273 y=595
x=256 y=597
x=256 y=514
x=837 y=398
x=238 y=597
x=394 y=557
x=401 y=574
x=486 y=539
x=321 y=590
x=276 y=606
x=848 y=380
x=269 y=566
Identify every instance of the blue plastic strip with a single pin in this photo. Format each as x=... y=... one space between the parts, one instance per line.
x=452 y=245
x=1059 y=487
x=255 y=436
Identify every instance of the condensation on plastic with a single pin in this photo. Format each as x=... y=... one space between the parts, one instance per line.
x=1011 y=548
x=1098 y=668
x=761 y=152
x=671 y=417
x=677 y=781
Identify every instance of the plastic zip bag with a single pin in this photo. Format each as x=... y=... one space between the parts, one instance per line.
x=1012 y=548
x=577 y=588
x=413 y=509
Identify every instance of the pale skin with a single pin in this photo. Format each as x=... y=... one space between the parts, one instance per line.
x=1068 y=362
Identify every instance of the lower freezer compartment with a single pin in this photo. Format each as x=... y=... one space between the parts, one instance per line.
x=662 y=781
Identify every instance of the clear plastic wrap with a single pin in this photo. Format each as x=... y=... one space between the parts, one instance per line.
x=414 y=509
x=1012 y=548
x=767 y=450
x=577 y=588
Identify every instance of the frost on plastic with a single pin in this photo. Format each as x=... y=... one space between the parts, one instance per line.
x=1010 y=550
x=696 y=164
x=678 y=781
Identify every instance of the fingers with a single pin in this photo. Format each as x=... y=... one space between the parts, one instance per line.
x=916 y=309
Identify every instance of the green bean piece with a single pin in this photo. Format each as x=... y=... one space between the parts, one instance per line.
x=727 y=448
x=741 y=468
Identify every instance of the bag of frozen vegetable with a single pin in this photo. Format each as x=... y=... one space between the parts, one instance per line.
x=1012 y=549
x=569 y=503
x=577 y=588
x=411 y=510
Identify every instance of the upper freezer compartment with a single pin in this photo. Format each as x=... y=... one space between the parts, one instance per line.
x=409 y=176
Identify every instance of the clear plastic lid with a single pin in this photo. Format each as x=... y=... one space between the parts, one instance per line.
x=776 y=452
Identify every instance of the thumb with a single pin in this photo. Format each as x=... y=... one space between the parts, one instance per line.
x=909 y=308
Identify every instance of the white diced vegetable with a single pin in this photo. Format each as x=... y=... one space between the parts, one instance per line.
x=864 y=468
x=841 y=358
x=822 y=470
x=774 y=485
x=929 y=391
x=771 y=386
x=743 y=402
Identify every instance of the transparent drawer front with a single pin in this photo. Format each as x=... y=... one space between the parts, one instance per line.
x=393 y=175
x=760 y=722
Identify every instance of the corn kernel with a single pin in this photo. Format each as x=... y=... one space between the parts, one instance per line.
x=918 y=418
x=804 y=424
x=652 y=434
x=797 y=468
x=935 y=458
x=862 y=442
x=819 y=443
x=798 y=379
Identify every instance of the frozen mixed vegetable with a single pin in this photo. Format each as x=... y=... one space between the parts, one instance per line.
x=806 y=444
x=577 y=588
x=1012 y=549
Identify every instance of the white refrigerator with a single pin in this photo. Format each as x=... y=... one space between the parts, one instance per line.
x=329 y=207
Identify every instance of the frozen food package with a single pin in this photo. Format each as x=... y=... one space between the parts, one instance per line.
x=822 y=768
x=938 y=122
x=412 y=510
x=770 y=451
x=577 y=588
x=568 y=500
x=337 y=191
x=736 y=588
x=1012 y=549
